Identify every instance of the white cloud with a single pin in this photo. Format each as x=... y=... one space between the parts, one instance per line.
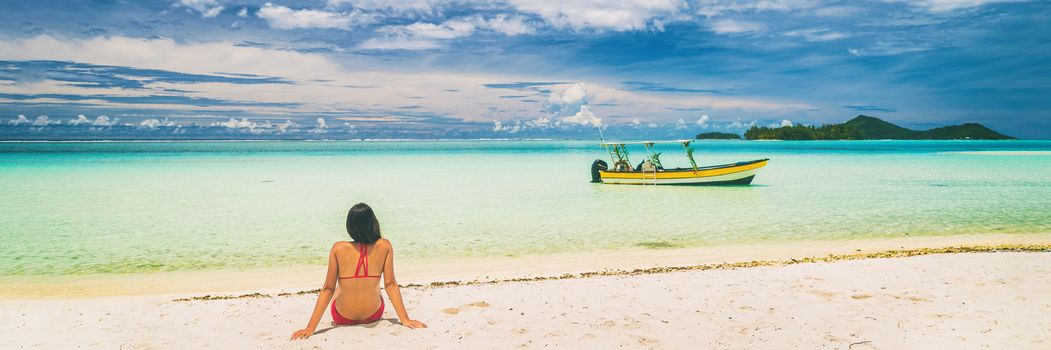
x=576 y=94
x=419 y=35
x=207 y=8
x=212 y=12
x=243 y=12
x=507 y=25
x=542 y=122
x=154 y=123
x=816 y=34
x=255 y=127
x=287 y=124
x=422 y=35
x=100 y=121
x=21 y=119
x=636 y=122
x=838 y=11
x=451 y=29
x=950 y=5
x=729 y=26
x=150 y=123
x=81 y=120
x=584 y=117
x=680 y=124
x=616 y=15
x=201 y=58
x=321 y=123
x=398 y=6
x=702 y=121
x=244 y=123
x=568 y=101
x=786 y=122
x=104 y=121
x=883 y=48
x=510 y=128
x=397 y=43
x=711 y=8
x=738 y=125
x=44 y=121
x=566 y=108
x=281 y=17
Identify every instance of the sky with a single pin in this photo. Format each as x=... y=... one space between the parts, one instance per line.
x=515 y=68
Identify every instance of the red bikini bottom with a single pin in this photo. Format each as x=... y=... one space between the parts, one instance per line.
x=340 y=320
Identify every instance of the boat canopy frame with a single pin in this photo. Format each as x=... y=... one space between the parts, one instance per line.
x=618 y=152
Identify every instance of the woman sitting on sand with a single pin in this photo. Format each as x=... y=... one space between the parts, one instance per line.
x=359 y=299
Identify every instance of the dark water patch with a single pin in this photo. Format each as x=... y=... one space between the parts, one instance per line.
x=658 y=245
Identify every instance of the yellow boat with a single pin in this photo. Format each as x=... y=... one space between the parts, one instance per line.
x=651 y=172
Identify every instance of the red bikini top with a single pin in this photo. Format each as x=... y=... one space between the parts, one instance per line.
x=363 y=263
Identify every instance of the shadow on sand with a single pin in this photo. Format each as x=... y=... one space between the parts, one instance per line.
x=366 y=325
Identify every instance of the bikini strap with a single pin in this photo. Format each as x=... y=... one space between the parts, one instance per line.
x=363 y=261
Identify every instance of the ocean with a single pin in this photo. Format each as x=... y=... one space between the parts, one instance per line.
x=71 y=208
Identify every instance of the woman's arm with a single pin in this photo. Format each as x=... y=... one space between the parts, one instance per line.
x=394 y=293
x=327 y=290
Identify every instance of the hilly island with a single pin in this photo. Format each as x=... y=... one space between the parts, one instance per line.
x=865 y=127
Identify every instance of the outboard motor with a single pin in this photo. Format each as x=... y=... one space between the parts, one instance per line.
x=598 y=165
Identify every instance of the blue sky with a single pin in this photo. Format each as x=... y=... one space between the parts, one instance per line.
x=516 y=68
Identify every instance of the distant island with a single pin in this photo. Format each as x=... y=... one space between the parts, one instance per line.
x=718 y=136
x=864 y=127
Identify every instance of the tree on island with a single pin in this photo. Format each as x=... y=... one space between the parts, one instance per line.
x=804 y=132
x=865 y=127
x=718 y=136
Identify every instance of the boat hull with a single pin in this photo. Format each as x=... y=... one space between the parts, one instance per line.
x=727 y=174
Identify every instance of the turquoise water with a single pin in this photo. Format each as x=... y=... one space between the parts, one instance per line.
x=76 y=208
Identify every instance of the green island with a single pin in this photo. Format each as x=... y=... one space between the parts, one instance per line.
x=718 y=136
x=864 y=127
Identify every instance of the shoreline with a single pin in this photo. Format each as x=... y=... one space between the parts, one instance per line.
x=414 y=274
x=889 y=254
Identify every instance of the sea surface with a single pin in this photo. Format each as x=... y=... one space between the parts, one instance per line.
x=133 y=207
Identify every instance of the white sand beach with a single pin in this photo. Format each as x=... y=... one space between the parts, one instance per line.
x=996 y=300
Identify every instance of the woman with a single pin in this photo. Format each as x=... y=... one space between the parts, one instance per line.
x=356 y=267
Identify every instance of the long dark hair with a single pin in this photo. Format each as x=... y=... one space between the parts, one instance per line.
x=362 y=224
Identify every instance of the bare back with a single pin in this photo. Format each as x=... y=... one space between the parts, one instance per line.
x=358 y=295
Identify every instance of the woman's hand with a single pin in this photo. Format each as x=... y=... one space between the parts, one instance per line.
x=302 y=334
x=413 y=324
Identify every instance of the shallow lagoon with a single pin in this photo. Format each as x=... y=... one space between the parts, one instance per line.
x=128 y=207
